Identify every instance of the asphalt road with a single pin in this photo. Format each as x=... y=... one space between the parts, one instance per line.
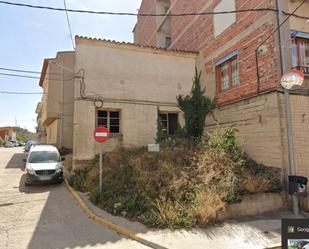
x=45 y=216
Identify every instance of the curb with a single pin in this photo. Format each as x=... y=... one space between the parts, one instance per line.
x=109 y=225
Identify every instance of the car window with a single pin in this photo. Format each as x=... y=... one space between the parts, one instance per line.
x=44 y=157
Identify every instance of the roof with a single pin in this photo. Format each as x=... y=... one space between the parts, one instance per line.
x=44 y=70
x=134 y=45
x=7 y=128
x=46 y=64
x=43 y=148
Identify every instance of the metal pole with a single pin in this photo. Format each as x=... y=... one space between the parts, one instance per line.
x=290 y=145
x=101 y=171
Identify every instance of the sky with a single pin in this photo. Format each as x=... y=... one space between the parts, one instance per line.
x=30 y=35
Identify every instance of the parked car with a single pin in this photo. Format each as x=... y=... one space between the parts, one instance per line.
x=43 y=164
x=15 y=143
x=29 y=144
x=9 y=144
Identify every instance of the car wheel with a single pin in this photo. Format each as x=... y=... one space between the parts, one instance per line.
x=27 y=181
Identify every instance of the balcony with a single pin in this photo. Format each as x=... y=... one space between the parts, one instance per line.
x=303 y=69
x=50 y=104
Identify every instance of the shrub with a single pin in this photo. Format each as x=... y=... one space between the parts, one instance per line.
x=77 y=179
x=177 y=188
x=95 y=196
x=195 y=106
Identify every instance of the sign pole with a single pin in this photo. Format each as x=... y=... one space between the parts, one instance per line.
x=290 y=146
x=291 y=78
x=100 y=135
x=101 y=171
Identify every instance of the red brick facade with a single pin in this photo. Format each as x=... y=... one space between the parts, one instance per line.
x=146 y=26
x=196 y=33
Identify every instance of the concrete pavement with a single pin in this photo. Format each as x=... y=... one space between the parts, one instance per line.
x=45 y=216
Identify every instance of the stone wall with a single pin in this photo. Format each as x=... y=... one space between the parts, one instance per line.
x=258 y=122
x=253 y=205
x=299 y=105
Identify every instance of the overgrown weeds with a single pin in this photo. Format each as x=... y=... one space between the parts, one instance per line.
x=177 y=187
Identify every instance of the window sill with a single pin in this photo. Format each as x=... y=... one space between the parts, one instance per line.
x=115 y=135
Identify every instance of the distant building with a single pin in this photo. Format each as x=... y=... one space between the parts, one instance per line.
x=8 y=133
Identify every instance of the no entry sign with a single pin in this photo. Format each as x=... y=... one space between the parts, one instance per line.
x=100 y=134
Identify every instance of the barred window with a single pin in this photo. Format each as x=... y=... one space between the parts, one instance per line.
x=301 y=52
x=227 y=74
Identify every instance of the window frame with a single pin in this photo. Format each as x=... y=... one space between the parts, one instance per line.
x=108 y=111
x=227 y=61
x=167 y=120
x=166 y=43
x=296 y=45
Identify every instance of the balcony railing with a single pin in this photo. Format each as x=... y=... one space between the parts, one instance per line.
x=303 y=69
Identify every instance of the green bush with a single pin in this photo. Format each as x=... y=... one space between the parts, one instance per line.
x=95 y=196
x=77 y=179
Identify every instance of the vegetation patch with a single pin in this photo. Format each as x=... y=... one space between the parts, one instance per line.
x=179 y=187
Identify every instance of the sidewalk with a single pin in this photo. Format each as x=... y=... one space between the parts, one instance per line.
x=260 y=232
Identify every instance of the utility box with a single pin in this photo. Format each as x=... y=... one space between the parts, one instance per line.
x=298 y=185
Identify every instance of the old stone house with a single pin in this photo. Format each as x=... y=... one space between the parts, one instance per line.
x=8 y=133
x=241 y=73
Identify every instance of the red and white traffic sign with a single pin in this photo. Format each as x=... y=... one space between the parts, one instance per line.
x=100 y=134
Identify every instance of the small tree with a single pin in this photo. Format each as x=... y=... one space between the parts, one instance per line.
x=195 y=107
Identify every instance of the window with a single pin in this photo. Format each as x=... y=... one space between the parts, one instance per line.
x=227 y=73
x=109 y=119
x=168 y=42
x=169 y=122
x=223 y=21
x=300 y=52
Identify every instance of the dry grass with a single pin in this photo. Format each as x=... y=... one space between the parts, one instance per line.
x=174 y=188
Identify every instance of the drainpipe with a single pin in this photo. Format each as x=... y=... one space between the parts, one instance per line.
x=61 y=104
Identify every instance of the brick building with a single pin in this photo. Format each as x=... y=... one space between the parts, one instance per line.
x=243 y=76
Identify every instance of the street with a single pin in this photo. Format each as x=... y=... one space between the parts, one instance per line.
x=45 y=216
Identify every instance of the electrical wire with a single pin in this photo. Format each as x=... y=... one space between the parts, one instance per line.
x=283 y=22
x=21 y=76
x=26 y=71
x=144 y=14
x=69 y=24
x=35 y=77
x=21 y=93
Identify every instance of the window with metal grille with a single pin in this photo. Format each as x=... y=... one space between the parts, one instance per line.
x=301 y=52
x=169 y=122
x=227 y=73
x=109 y=119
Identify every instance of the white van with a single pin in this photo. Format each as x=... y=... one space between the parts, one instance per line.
x=43 y=164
